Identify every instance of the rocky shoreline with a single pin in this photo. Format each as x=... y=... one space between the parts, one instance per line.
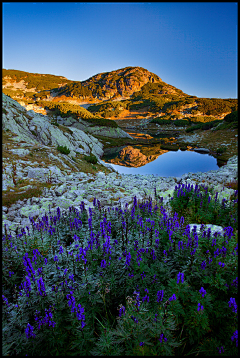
x=112 y=189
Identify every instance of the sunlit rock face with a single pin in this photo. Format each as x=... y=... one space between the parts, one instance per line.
x=122 y=82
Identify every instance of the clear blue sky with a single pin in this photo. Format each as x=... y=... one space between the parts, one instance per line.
x=192 y=46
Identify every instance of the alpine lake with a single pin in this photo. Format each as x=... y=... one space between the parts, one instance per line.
x=158 y=153
x=172 y=163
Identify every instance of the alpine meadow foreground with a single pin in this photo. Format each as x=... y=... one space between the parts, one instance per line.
x=136 y=280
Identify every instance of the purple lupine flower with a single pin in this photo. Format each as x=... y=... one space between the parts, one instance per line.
x=137 y=298
x=160 y=295
x=28 y=265
x=128 y=259
x=122 y=311
x=227 y=286
x=43 y=321
x=180 y=245
x=200 y=307
x=5 y=300
x=135 y=201
x=235 y=336
x=29 y=331
x=162 y=337
x=209 y=233
x=103 y=263
x=143 y=275
x=182 y=220
x=80 y=315
x=232 y=303
x=153 y=254
x=71 y=301
x=220 y=349
x=35 y=253
x=55 y=258
x=11 y=273
x=235 y=282
x=223 y=251
x=216 y=253
x=180 y=276
x=141 y=344
x=90 y=222
x=154 y=279
x=139 y=258
x=146 y=298
x=39 y=271
x=165 y=252
x=27 y=286
x=61 y=250
x=213 y=242
x=134 y=319
x=202 y=291
x=173 y=297
x=221 y=264
x=41 y=287
x=204 y=233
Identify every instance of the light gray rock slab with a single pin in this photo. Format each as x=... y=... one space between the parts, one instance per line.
x=20 y=151
x=63 y=202
x=25 y=222
x=30 y=210
x=37 y=173
x=201 y=150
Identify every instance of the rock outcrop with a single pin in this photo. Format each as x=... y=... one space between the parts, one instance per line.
x=35 y=128
x=122 y=82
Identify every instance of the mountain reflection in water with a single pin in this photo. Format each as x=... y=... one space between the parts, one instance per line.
x=172 y=163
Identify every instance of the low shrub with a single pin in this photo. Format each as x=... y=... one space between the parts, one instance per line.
x=91 y=158
x=231 y=117
x=224 y=125
x=169 y=147
x=63 y=149
x=221 y=150
x=194 y=127
x=181 y=123
x=161 y=121
x=55 y=124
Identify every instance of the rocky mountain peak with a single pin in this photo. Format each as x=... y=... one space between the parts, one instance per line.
x=123 y=82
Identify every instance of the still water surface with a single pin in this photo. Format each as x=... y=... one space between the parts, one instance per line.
x=173 y=164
